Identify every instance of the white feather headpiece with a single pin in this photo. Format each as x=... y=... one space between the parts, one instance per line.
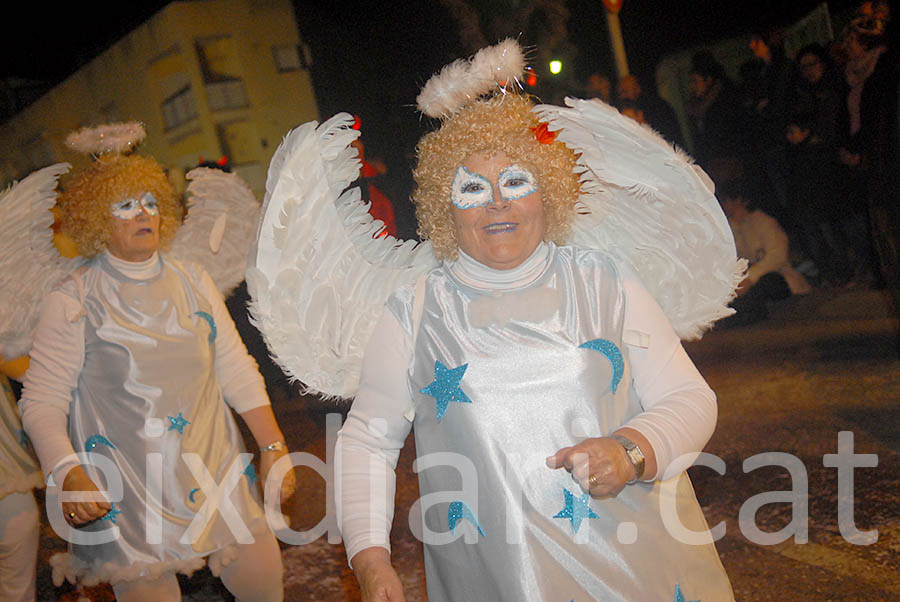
x=462 y=81
x=107 y=138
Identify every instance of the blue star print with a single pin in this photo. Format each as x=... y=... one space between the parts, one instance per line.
x=93 y=440
x=612 y=353
x=178 y=423
x=576 y=509
x=250 y=473
x=679 y=597
x=445 y=387
x=113 y=512
x=459 y=511
x=210 y=321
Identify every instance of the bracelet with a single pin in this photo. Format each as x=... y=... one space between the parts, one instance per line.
x=635 y=456
x=275 y=446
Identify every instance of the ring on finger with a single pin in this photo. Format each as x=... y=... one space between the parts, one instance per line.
x=593 y=481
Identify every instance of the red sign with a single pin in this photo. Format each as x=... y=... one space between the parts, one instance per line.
x=613 y=6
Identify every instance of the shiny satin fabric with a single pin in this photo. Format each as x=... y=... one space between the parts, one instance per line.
x=149 y=368
x=532 y=391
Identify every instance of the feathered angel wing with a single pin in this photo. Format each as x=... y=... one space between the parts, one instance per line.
x=30 y=266
x=648 y=205
x=322 y=267
x=220 y=226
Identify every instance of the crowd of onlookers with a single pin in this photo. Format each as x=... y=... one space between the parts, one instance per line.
x=808 y=139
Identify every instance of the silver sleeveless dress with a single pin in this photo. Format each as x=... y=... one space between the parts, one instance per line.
x=502 y=379
x=147 y=397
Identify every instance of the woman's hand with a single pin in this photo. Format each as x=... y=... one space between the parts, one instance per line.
x=378 y=581
x=267 y=460
x=599 y=465
x=81 y=513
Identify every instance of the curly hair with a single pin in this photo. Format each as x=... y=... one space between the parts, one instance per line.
x=501 y=123
x=86 y=201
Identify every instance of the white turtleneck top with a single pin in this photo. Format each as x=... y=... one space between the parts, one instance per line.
x=679 y=407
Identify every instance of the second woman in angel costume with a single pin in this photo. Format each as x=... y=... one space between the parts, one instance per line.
x=137 y=352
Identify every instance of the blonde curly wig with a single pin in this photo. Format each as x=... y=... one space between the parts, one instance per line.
x=501 y=123
x=85 y=202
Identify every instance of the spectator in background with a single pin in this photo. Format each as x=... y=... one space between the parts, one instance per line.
x=770 y=110
x=655 y=110
x=816 y=211
x=598 y=86
x=713 y=111
x=868 y=78
x=761 y=241
x=369 y=173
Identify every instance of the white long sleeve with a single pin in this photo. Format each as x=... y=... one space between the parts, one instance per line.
x=679 y=414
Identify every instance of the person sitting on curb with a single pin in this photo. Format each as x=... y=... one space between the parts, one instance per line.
x=763 y=243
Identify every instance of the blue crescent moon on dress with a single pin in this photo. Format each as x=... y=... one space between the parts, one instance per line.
x=93 y=440
x=679 y=597
x=210 y=321
x=459 y=511
x=613 y=354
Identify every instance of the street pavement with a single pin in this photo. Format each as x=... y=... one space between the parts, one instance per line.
x=822 y=372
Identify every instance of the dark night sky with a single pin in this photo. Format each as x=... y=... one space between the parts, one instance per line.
x=370 y=58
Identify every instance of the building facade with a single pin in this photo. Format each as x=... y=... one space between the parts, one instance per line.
x=207 y=78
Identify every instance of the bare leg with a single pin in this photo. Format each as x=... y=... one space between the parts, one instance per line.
x=256 y=575
x=19 y=536
x=162 y=589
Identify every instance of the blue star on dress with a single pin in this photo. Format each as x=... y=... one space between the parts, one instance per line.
x=113 y=512
x=576 y=509
x=250 y=473
x=679 y=597
x=459 y=511
x=178 y=423
x=445 y=387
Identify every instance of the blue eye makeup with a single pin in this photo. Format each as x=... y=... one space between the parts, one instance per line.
x=516 y=182
x=470 y=189
x=130 y=208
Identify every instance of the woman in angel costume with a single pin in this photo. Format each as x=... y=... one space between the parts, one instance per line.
x=133 y=360
x=533 y=341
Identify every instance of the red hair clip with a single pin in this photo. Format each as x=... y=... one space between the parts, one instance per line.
x=543 y=134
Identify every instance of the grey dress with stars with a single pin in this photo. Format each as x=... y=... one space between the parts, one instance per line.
x=147 y=397
x=500 y=380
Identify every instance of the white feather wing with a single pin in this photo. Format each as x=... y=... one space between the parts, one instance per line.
x=30 y=266
x=323 y=268
x=220 y=226
x=648 y=205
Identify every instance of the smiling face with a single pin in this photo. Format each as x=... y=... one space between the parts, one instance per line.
x=498 y=215
x=134 y=228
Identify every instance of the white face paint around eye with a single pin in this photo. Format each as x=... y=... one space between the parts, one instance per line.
x=148 y=201
x=516 y=182
x=130 y=208
x=470 y=189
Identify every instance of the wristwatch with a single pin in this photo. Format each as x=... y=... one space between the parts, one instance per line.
x=275 y=446
x=635 y=456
